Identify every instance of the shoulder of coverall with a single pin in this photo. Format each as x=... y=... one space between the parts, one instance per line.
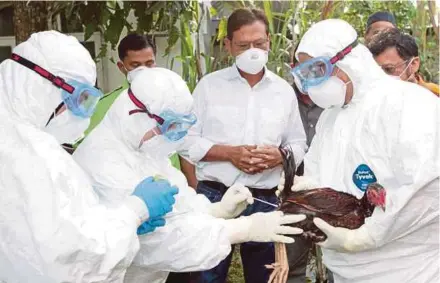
x=103 y=106
x=434 y=88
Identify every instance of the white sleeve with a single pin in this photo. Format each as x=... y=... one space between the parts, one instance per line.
x=55 y=222
x=412 y=200
x=191 y=239
x=311 y=158
x=195 y=146
x=294 y=135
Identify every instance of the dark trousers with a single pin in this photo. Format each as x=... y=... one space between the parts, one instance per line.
x=298 y=253
x=184 y=277
x=254 y=255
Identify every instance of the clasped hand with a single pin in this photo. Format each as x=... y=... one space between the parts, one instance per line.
x=253 y=159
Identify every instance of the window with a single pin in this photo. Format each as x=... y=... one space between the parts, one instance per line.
x=90 y=46
x=6 y=21
x=5 y=52
x=7 y=38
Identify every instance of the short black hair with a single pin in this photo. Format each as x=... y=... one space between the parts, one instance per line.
x=405 y=44
x=136 y=42
x=245 y=16
x=381 y=16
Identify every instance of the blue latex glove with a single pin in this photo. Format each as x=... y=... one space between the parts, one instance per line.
x=150 y=225
x=157 y=195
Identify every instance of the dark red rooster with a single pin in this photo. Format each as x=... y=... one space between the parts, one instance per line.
x=336 y=208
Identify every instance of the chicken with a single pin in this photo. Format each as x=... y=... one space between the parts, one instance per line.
x=339 y=209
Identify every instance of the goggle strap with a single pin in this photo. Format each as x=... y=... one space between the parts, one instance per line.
x=136 y=111
x=55 y=80
x=141 y=108
x=340 y=55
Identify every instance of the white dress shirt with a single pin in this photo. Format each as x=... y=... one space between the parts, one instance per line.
x=230 y=112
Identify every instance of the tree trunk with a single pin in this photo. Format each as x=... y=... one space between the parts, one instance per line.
x=29 y=18
x=326 y=10
x=432 y=15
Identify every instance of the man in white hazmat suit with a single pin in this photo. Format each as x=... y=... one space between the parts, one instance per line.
x=52 y=226
x=142 y=128
x=374 y=129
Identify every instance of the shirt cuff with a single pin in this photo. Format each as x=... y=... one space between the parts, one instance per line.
x=199 y=149
x=139 y=207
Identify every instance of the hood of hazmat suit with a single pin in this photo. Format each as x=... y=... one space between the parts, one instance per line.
x=114 y=160
x=388 y=133
x=53 y=228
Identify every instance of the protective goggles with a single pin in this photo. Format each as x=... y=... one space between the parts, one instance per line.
x=317 y=70
x=172 y=125
x=79 y=98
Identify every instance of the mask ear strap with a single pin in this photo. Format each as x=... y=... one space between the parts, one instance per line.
x=55 y=112
x=147 y=136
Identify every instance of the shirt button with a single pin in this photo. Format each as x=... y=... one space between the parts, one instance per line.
x=311 y=125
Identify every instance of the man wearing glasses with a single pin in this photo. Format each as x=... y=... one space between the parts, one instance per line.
x=398 y=55
x=245 y=114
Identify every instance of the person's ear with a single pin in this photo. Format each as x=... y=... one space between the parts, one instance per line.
x=228 y=45
x=415 y=65
x=121 y=67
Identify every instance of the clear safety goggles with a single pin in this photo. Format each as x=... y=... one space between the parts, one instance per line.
x=172 y=125
x=317 y=70
x=79 y=98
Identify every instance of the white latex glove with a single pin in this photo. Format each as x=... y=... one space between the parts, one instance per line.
x=233 y=203
x=301 y=183
x=263 y=227
x=343 y=239
x=280 y=186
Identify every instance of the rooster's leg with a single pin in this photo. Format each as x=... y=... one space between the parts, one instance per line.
x=284 y=264
x=281 y=265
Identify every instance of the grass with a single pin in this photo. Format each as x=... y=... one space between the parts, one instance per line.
x=235 y=274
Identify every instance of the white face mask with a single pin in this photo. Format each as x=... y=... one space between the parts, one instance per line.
x=252 y=60
x=67 y=127
x=330 y=93
x=132 y=74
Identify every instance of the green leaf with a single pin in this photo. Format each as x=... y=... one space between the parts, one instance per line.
x=222 y=29
x=212 y=11
x=173 y=37
x=89 y=30
x=268 y=11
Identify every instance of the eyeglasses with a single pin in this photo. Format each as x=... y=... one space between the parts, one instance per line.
x=261 y=44
x=391 y=69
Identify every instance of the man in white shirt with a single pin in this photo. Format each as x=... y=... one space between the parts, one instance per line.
x=245 y=114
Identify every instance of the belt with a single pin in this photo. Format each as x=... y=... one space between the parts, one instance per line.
x=255 y=192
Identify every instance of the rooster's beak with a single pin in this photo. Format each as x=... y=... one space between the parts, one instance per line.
x=382 y=207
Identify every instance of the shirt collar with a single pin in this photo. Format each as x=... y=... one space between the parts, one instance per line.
x=233 y=74
x=125 y=84
x=306 y=100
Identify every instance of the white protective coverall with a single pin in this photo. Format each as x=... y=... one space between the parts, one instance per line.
x=52 y=226
x=392 y=127
x=191 y=239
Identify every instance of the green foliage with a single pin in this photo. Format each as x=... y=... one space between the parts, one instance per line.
x=110 y=18
x=181 y=20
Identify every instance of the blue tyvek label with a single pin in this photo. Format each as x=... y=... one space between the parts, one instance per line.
x=363 y=176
